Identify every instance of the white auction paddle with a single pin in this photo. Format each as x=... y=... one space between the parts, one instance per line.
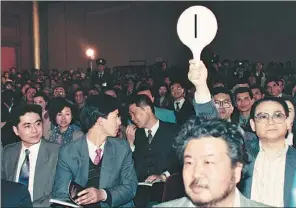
x=197 y=27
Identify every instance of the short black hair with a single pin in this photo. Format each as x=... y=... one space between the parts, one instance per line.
x=258 y=87
x=232 y=134
x=141 y=101
x=224 y=90
x=79 y=90
x=30 y=88
x=177 y=82
x=279 y=100
x=97 y=106
x=43 y=95
x=21 y=110
x=272 y=79
x=57 y=105
x=243 y=90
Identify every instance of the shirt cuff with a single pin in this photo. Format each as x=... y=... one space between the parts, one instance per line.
x=108 y=198
x=202 y=98
x=133 y=147
x=166 y=174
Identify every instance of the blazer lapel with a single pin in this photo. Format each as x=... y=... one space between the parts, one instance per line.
x=106 y=169
x=289 y=176
x=84 y=165
x=41 y=170
x=13 y=162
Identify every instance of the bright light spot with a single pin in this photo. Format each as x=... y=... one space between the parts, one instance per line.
x=90 y=53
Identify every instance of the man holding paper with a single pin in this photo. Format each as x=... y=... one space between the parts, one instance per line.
x=98 y=161
x=154 y=156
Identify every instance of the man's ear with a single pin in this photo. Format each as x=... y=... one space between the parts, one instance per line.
x=15 y=130
x=252 y=123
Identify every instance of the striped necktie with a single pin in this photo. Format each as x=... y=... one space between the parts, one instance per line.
x=25 y=170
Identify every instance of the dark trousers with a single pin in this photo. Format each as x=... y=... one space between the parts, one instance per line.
x=146 y=194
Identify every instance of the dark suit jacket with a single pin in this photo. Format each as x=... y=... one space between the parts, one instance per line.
x=161 y=147
x=184 y=113
x=165 y=103
x=14 y=195
x=44 y=171
x=106 y=78
x=245 y=185
x=117 y=175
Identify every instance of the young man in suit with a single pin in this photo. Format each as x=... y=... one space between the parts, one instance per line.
x=182 y=107
x=154 y=156
x=214 y=158
x=32 y=161
x=98 y=161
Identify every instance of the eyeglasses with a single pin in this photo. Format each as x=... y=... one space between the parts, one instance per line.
x=263 y=118
x=225 y=104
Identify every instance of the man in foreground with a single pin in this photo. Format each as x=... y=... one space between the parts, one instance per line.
x=213 y=155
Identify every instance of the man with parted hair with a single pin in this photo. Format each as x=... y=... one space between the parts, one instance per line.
x=214 y=156
x=154 y=156
x=31 y=162
x=98 y=161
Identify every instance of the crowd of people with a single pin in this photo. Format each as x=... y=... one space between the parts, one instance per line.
x=225 y=129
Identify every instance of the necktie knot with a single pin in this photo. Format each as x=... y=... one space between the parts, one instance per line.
x=98 y=157
x=99 y=151
x=27 y=151
x=177 y=106
x=150 y=137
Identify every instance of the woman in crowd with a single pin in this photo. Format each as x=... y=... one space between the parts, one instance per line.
x=291 y=137
x=61 y=114
x=41 y=99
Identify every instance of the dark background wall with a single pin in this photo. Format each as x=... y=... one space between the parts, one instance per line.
x=123 y=31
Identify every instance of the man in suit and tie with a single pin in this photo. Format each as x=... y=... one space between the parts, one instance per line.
x=214 y=158
x=98 y=161
x=154 y=156
x=32 y=161
x=163 y=114
x=100 y=76
x=182 y=107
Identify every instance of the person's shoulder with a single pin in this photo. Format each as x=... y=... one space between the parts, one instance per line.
x=172 y=126
x=182 y=202
x=252 y=203
x=118 y=142
x=12 y=147
x=73 y=145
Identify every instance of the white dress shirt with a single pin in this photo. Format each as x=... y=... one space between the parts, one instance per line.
x=34 y=149
x=289 y=139
x=153 y=129
x=268 y=178
x=92 y=149
x=181 y=102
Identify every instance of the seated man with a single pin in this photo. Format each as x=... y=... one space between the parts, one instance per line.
x=154 y=156
x=98 y=161
x=269 y=119
x=32 y=161
x=213 y=157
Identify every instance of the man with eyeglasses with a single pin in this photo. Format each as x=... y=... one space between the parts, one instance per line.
x=272 y=171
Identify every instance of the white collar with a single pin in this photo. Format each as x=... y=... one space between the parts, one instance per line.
x=236 y=202
x=153 y=129
x=34 y=149
x=289 y=139
x=93 y=147
x=181 y=102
